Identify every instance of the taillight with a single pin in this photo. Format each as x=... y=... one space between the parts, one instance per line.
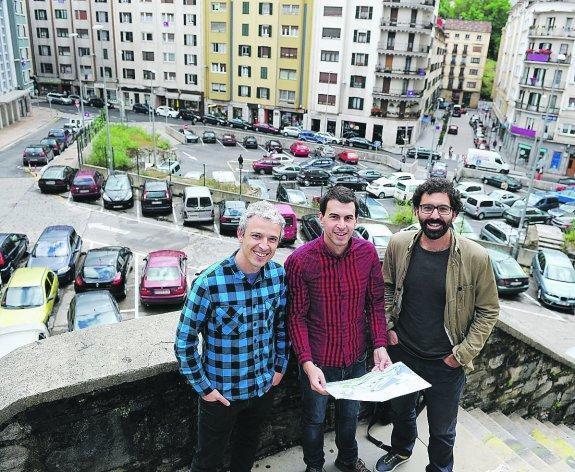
x=224 y=219
x=2 y=261
x=178 y=290
x=117 y=279
x=145 y=291
x=79 y=280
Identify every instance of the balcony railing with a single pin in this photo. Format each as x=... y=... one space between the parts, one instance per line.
x=392 y=95
x=538 y=83
x=426 y=4
x=536 y=108
x=396 y=115
x=420 y=73
x=402 y=49
x=393 y=25
x=551 y=31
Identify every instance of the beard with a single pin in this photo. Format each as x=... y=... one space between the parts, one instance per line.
x=435 y=233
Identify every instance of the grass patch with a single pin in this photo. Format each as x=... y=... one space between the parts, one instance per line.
x=404 y=215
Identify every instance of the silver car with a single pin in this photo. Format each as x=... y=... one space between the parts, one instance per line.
x=555 y=278
x=324 y=150
x=482 y=206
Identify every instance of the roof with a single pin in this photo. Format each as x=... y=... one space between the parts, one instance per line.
x=557 y=257
x=56 y=230
x=27 y=276
x=468 y=25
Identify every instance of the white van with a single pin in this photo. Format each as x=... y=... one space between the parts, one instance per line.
x=170 y=167
x=487 y=160
x=198 y=205
x=404 y=190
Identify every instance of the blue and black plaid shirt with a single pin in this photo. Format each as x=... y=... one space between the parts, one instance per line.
x=243 y=330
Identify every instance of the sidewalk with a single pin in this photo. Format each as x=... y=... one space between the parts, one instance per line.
x=39 y=118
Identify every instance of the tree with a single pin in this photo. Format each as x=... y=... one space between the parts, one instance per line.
x=488 y=78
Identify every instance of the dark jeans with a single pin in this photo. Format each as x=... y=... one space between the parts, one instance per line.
x=313 y=417
x=241 y=421
x=442 y=400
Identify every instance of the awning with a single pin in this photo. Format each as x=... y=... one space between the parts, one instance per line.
x=13 y=96
x=48 y=80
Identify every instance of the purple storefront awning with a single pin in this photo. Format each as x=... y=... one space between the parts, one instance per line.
x=529 y=133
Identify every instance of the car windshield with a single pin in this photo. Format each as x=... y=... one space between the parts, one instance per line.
x=296 y=196
x=102 y=314
x=83 y=180
x=52 y=173
x=561 y=273
x=48 y=248
x=103 y=272
x=377 y=211
x=509 y=268
x=23 y=297
x=34 y=151
x=116 y=183
x=157 y=274
x=381 y=240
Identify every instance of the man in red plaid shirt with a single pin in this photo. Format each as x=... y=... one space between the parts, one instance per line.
x=335 y=292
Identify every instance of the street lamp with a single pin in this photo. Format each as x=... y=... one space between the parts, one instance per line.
x=109 y=154
x=434 y=120
x=76 y=60
x=153 y=114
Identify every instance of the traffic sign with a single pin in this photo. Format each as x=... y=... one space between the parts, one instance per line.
x=77 y=103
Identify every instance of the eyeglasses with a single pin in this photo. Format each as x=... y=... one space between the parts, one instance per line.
x=441 y=209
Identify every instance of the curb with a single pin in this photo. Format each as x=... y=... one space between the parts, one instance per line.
x=23 y=136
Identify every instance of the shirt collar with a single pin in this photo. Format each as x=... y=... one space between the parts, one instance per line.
x=350 y=247
x=239 y=274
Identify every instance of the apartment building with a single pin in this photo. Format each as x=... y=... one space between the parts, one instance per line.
x=467 y=46
x=534 y=88
x=374 y=67
x=257 y=59
x=14 y=68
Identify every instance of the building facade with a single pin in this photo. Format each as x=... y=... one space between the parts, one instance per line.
x=467 y=46
x=534 y=88
x=374 y=68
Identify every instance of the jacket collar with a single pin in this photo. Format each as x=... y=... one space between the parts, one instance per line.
x=455 y=248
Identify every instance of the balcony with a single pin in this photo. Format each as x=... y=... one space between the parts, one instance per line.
x=540 y=31
x=405 y=96
x=555 y=59
x=395 y=115
x=399 y=73
x=534 y=82
x=541 y=109
x=393 y=25
x=422 y=5
x=402 y=49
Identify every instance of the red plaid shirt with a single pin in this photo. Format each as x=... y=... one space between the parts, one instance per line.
x=330 y=301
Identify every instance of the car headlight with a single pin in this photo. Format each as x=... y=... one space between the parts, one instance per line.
x=63 y=270
x=106 y=197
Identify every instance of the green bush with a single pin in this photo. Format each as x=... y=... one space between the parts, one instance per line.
x=404 y=215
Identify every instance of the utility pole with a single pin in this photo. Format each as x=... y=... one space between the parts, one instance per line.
x=153 y=115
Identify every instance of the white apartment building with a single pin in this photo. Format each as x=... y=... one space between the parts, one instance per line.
x=374 y=67
x=534 y=88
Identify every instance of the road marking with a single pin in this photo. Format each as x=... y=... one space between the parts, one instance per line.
x=136 y=290
x=127 y=310
x=110 y=229
x=189 y=156
x=534 y=300
x=262 y=148
x=174 y=214
x=241 y=146
x=219 y=142
x=551 y=315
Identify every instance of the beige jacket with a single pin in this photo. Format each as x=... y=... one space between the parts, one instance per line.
x=472 y=303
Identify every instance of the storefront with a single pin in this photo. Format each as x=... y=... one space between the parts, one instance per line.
x=355 y=127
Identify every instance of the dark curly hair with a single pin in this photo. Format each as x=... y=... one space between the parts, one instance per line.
x=438 y=186
x=341 y=194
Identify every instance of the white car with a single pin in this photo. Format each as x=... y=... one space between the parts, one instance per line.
x=170 y=167
x=397 y=176
x=291 y=131
x=381 y=188
x=12 y=337
x=164 y=110
x=378 y=235
x=470 y=188
x=330 y=138
x=282 y=157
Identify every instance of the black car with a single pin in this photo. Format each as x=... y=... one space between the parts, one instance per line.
x=105 y=268
x=273 y=145
x=141 y=108
x=96 y=102
x=504 y=182
x=189 y=115
x=209 y=137
x=56 y=179
x=349 y=134
x=532 y=215
x=361 y=143
x=91 y=309
x=311 y=227
x=13 y=250
x=156 y=197
x=214 y=120
x=250 y=142
x=240 y=124
x=422 y=153
x=56 y=144
x=230 y=213
x=117 y=191
x=37 y=154
x=350 y=181
x=343 y=169
x=58 y=248
x=370 y=174
x=309 y=177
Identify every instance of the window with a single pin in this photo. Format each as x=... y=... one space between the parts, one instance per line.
x=62 y=32
x=244 y=71
x=244 y=91
x=219 y=6
x=168 y=19
x=332 y=11
x=102 y=16
x=265 y=31
x=60 y=14
x=102 y=35
x=571 y=102
x=107 y=71
x=466 y=36
x=361 y=36
x=65 y=69
x=331 y=33
x=148 y=74
x=168 y=38
x=478 y=37
x=355 y=103
x=329 y=56
x=359 y=59
x=471 y=85
x=288 y=53
x=265 y=8
x=219 y=48
x=127 y=55
x=219 y=88
x=169 y=76
x=246 y=8
x=245 y=29
x=219 y=67
x=323 y=99
x=42 y=33
x=568 y=128
x=289 y=30
x=190 y=40
x=477 y=49
x=217 y=27
x=127 y=36
x=288 y=74
x=128 y=73
x=473 y=71
x=46 y=68
x=328 y=78
x=64 y=51
x=146 y=17
x=263 y=72
x=191 y=79
x=44 y=50
x=83 y=52
x=363 y=13
x=263 y=92
x=357 y=81
x=147 y=37
x=189 y=19
x=41 y=14
x=287 y=96
x=457 y=35
x=288 y=9
x=169 y=57
x=147 y=55
x=475 y=60
x=244 y=51
x=190 y=59
x=81 y=14
x=125 y=17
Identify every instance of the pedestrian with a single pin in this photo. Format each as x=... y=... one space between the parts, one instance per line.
x=539 y=169
x=442 y=303
x=336 y=295
x=450 y=152
x=238 y=304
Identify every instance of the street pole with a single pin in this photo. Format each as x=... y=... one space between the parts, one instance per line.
x=240 y=165
x=429 y=161
x=153 y=115
x=204 y=174
x=81 y=108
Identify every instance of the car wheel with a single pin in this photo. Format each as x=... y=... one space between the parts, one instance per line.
x=231 y=126
x=480 y=216
x=350 y=144
x=381 y=195
x=283 y=177
x=261 y=171
x=306 y=183
x=363 y=187
x=285 y=134
x=539 y=296
x=484 y=180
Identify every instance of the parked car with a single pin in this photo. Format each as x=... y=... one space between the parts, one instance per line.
x=97 y=102
x=167 y=111
x=291 y=131
x=265 y=165
x=143 y=108
x=117 y=191
x=565 y=209
x=438 y=170
x=532 y=215
x=37 y=155
x=291 y=193
x=58 y=98
x=209 y=137
x=273 y=145
x=282 y=157
x=13 y=251
x=325 y=150
x=565 y=183
x=377 y=234
x=228 y=139
x=555 y=278
x=286 y=172
x=328 y=137
x=266 y=128
x=349 y=157
x=56 y=179
x=348 y=180
x=189 y=115
x=156 y=197
x=509 y=276
x=105 y=268
x=62 y=134
x=504 y=182
x=240 y=124
x=211 y=119
x=164 y=278
x=362 y=143
x=564 y=223
x=343 y=169
x=13 y=337
x=348 y=134
x=189 y=135
x=250 y=142
x=370 y=174
x=469 y=188
x=397 y=176
x=313 y=177
x=92 y=309
x=310 y=136
x=404 y=190
x=505 y=197
x=453 y=129
x=55 y=144
x=317 y=162
x=87 y=183
x=370 y=208
x=422 y=153
x=29 y=297
x=381 y=188
x=483 y=206
x=311 y=226
x=230 y=213
x=58 y=248
x=169 y=166
x=499 y=232
x=299 y=149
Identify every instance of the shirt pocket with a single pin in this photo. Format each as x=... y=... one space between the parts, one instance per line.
x=270 y=307
x=231 y=319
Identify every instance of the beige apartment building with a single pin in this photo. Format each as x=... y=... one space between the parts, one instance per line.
x=467 y=45
x=534 y=88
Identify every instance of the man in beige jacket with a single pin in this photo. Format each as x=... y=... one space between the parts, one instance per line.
x=442 y=302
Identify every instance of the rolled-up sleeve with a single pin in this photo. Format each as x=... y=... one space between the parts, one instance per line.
x=376 y=304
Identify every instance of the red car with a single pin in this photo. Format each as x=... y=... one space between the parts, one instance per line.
x=265 y=128
x=164 y=279
x=87 y=183
x=299 y=149
x=265 y=165
x=349 y=157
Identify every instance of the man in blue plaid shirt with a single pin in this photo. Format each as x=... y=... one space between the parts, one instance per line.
x=238 y=306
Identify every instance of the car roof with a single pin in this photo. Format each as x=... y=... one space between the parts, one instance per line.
x=376 y=229
x=27 y=276
x=506 y=228
x=56 y=230
x=498 y=255
x=155 y=184
x=481 y=197
x=164 y=257
x=557 y=257
x=235 y=204
x=92 y=296
x=89 y=172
